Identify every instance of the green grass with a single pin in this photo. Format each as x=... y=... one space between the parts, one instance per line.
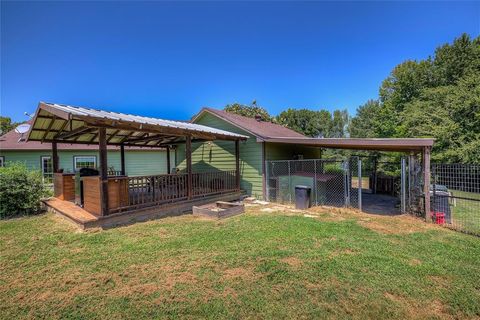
x=258 y=265
x=466 y=213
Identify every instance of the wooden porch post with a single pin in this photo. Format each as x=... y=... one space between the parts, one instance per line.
x=426 y=182
x=237 y=164
x=54 y=157
x=168 y=160
x=122 y=159
x=102 y=144
x=188 y=151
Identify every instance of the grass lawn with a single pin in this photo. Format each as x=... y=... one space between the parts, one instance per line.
x=278 y=264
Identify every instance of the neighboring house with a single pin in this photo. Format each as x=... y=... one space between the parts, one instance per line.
x=37 y=155
x=253 y=152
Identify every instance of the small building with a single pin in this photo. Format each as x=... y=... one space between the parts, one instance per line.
x=254 y=151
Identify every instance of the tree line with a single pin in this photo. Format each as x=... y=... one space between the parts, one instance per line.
x=438 y=97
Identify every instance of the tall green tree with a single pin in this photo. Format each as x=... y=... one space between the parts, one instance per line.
x=366 y=122
x=250 y=111
x=437 y=97
x=6 y=125
x=340 y=123
x=308 y=122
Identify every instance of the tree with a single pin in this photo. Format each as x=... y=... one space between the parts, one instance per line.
x=250 y=111
x=437 y=97
x=340 y=123
x=6 y=125
x=366 y=123
x=308 y=122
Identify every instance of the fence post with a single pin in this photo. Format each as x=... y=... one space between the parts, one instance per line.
x=289 y=183
x=346 y=179
x=403 y=188
x=267 y=181
x=359 y=173
x=315 y=181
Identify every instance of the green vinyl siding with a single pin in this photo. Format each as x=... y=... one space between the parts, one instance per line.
x=220 y=155
x=136 y=162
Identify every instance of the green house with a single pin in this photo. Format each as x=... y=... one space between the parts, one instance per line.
x=253 y=152
x=206 y=156
x=37 y=155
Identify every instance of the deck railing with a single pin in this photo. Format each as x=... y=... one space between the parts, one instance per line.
x=206 y=183
x=146 y=191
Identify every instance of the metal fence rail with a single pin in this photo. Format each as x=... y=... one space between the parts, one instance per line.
x=455 y=196
x=330 y=181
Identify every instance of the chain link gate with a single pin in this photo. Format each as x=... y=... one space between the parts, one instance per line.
x=335 y=183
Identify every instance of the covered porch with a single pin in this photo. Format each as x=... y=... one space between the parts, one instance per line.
x=109 y=194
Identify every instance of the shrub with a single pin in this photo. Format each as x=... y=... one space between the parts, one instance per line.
x=20 y=190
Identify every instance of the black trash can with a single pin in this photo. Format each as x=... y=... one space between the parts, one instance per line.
x=302 y=197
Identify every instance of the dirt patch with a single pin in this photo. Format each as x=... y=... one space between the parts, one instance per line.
x=401 y=224
x=239 y=272
x=292 y=262
x=418 y=309
x=414 y=262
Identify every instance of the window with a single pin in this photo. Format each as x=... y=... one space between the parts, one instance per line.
x=47 y=169
x=84 y=162
x=2 y=161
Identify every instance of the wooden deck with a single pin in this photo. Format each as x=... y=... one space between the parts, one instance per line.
x=85 y=220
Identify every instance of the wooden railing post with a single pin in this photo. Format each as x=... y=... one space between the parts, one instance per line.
x=188 y=151
x=168 y=160
x=122 y=159
x=237 y=164
x=54 y=157
x=102 y=144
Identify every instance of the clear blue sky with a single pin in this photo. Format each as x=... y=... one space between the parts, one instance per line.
x=168 y=59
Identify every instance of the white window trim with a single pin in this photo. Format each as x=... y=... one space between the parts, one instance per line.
x=2 y=161
x=75 y=161
x=43 y=167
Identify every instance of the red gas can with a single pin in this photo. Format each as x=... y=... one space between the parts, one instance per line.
x=438 y=217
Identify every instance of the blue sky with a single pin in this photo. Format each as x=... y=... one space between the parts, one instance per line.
x=167 y=59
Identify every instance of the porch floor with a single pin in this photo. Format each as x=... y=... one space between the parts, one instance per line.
x=85 y=220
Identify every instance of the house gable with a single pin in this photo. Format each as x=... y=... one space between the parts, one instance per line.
x=220 y=155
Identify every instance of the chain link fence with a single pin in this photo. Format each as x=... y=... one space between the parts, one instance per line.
x=455 y=196
x=334 y=183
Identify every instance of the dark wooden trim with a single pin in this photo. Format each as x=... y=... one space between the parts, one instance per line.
x=188 y=156
x=54 y=111
x=113 y=135
x=148 y=128
x=122 y=159
x=426 y=182
x=73 y=133
x=145 y=138
x=65 y=123
x=102 y=144
x=110 y=144
x=237 y=164
x=168 y=159
x=264 y=171
x=127 y=136
x=49 y=128
x=54 y=157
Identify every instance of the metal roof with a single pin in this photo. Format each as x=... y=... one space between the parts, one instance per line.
x=380 y=144
x=71 y=124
